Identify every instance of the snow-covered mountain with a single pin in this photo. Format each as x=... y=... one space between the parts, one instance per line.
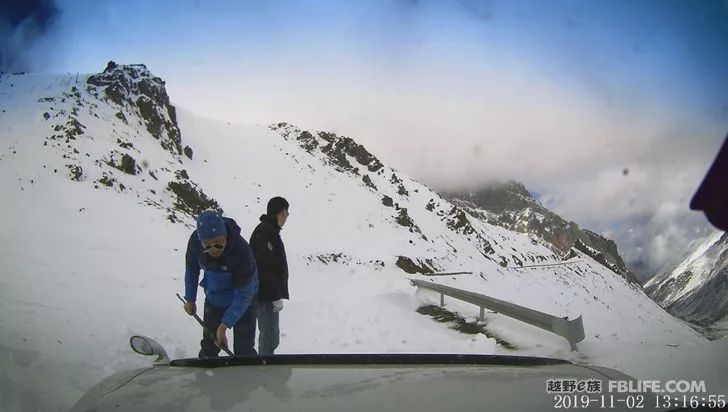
x=696 y=290
x=102 y=177
x=511 y=205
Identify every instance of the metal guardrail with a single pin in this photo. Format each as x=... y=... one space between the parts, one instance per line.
x=546 y=265
x=571 y=330
x=447 y=273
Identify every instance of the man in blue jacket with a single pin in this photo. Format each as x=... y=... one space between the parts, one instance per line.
x=230 y=282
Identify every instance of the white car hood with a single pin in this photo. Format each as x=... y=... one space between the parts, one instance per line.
x=339 y=387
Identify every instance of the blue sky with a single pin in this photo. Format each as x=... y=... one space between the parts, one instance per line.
x=671 y=52
x=562 y=95
x=669 y=49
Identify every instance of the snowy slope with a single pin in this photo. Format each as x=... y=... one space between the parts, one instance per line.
x=95 y=228
x=697 y=289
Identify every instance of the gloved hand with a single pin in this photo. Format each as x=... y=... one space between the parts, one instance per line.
x=190 y=308
x=278 y=305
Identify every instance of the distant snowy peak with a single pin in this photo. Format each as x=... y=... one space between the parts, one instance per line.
x=697 y=289
x=114 y=130
x=511 y=205
x=501 y=197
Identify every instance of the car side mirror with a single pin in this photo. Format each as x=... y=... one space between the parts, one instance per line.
x=148 y=346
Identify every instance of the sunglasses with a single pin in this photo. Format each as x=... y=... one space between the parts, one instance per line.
x=217 y=246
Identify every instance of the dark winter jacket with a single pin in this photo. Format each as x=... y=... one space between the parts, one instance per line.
x=230 y=280
x=270 y=255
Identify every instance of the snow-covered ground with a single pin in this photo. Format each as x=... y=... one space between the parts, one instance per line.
x=85 y=267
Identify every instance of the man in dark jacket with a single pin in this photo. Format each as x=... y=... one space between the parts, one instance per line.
x=230 y=283
x=270 y=255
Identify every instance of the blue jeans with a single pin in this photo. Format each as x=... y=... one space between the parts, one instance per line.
x=243 y=331
x=268 y=327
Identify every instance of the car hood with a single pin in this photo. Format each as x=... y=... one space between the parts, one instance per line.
x=317 y=387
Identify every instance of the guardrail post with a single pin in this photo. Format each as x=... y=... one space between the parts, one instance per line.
x=442 y=300
x=571 y=330
x=482 y=313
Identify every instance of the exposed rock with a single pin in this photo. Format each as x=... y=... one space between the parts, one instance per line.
x=341 y=258
x=188 y=152
x=120 y=116
x=409 y=266
x=128 y=165
x=337 y=148
x=133 y=86
x=572 y=253
x=73 y=128
x=307 y=141
x=124 y=145
x=395 y=180
x=75 y=172
x=368 y=181
x=404 y=219
x=457 y=220
x=107 y=181
x=190 y=199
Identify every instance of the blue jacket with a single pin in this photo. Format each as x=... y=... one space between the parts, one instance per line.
x=230 y=281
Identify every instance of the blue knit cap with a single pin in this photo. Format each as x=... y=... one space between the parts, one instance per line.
x=210 y=224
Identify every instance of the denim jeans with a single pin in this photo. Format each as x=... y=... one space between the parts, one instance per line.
x=243 y=331
x=268 y=326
